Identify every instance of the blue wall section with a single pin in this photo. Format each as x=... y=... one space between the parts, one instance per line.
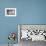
x=28 y=12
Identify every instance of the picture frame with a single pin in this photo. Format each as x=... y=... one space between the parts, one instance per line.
x=10 y=12
x=39 y=35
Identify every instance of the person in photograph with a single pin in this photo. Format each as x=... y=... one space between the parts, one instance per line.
x=10 y=12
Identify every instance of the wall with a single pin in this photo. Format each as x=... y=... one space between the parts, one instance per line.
x=28 y=12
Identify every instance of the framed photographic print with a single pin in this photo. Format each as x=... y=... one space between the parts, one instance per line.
x=10 y=11
x=33 y=32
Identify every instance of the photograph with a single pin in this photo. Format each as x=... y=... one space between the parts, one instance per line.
x=28 y=33
x=10 y=11
x=22 y=22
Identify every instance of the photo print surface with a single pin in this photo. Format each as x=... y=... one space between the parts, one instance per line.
x=32 y=32
x=10 y=11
